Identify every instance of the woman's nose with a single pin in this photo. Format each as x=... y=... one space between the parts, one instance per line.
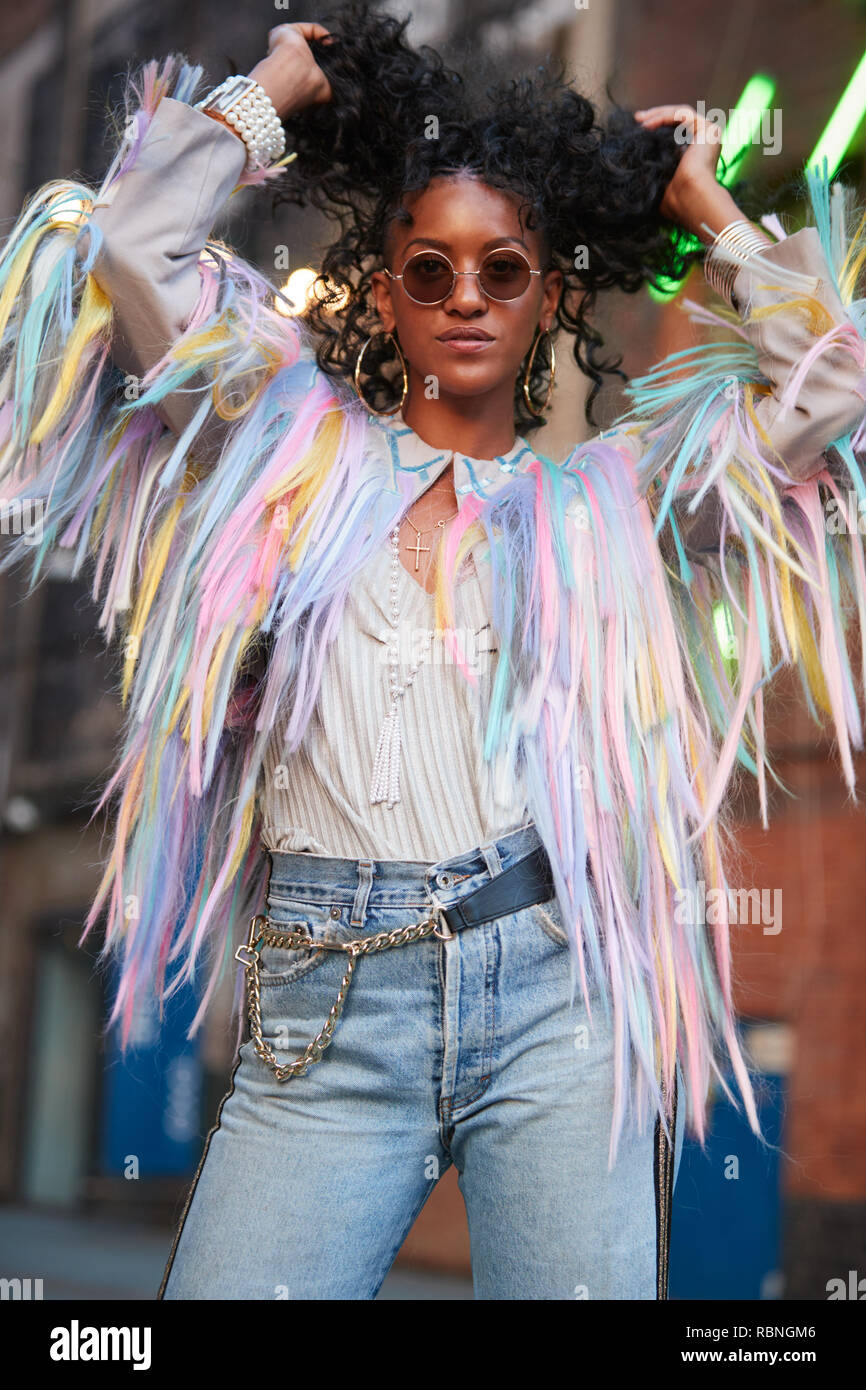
x=466 y=294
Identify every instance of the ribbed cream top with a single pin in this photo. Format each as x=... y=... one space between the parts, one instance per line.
x=317 y=800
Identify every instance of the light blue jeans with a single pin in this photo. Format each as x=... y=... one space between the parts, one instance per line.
x=462 y=1051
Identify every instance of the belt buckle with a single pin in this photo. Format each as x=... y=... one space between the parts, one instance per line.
x=439 y=913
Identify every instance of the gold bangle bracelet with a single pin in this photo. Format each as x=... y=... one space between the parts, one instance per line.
x=720 y=272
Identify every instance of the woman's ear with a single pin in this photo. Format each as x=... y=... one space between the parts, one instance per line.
x=553 y=284
x=381 y=287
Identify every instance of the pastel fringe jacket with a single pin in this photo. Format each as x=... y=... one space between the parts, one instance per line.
x=643 y=592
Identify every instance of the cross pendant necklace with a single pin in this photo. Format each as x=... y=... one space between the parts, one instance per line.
x=416 y=545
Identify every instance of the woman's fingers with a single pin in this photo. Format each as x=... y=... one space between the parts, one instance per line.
x=704 y=130
x=307 y=31
x=667 y=112
x=313 y=31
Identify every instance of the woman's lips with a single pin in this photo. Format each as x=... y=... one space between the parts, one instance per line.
x=467 y=345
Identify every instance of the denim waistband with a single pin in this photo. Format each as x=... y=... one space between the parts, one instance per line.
x=391 y=882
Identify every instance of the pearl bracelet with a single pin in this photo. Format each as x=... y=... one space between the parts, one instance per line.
x=249 y=110
x=740 y=236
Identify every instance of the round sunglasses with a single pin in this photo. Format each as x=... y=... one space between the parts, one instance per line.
x=429 y=277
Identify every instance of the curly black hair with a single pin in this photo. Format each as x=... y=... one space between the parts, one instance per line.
x=583 y=183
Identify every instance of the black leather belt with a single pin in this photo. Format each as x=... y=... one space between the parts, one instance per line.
x=528 y=881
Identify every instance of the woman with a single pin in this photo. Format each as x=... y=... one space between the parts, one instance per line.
x=472 y=703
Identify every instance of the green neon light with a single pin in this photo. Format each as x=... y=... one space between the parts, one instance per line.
x=746 y=118
x=740 y=131
x=725 y=635
x=842 y=125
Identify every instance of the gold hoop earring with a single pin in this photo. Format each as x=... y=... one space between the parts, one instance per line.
x=399 y=405
x=539 y=414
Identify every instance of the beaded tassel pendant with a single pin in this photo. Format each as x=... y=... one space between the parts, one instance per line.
x=385 y=783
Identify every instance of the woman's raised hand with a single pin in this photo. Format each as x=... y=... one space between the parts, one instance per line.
x=694 y=198
x=290 y=74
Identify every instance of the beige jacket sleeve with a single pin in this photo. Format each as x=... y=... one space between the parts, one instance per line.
x=154 y=220
x=831 y=399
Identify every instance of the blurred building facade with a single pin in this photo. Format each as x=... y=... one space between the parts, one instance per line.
x=60 y=68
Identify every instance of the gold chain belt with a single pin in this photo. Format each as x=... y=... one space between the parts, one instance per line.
x=264 y=935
